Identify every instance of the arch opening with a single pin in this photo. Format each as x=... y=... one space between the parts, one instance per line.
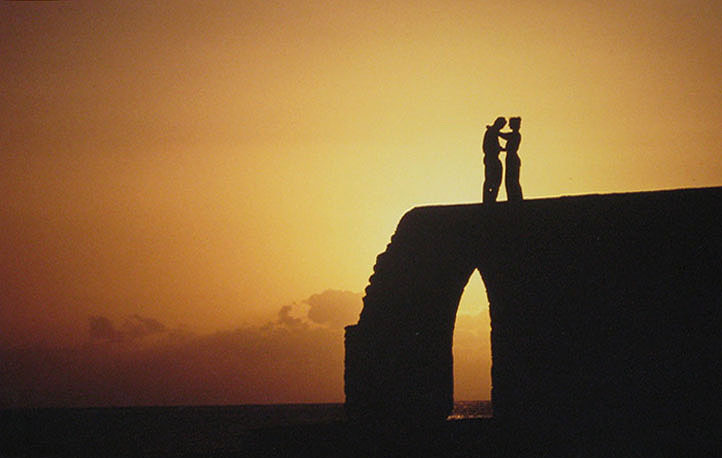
x=471 y=350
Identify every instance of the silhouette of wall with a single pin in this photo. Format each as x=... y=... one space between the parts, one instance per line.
x=605 y=312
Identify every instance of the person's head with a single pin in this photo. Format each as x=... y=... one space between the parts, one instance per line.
x=499 y=123
x=515 y=123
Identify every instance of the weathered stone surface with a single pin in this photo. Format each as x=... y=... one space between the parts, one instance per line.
x=606 y=312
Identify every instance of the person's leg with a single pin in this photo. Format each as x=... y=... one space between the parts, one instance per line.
x=490 y=191
x=496 y=171
x=513 y=188
x=508 y=184
x=517 y=189
x=487 y=188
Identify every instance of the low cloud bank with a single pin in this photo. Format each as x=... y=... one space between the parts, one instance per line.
x=298 y=357
x=140 y=361
x=134 y=327
x=334 y=308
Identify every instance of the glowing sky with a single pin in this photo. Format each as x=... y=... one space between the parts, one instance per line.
x=206 y=164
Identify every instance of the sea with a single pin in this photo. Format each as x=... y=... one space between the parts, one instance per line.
x=262 y=416
x=158 y=431
x=249 y=416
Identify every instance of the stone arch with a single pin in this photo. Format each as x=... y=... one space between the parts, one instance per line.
x=399 y=360
x=606 y=314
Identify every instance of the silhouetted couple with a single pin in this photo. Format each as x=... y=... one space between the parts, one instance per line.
x=492 y=164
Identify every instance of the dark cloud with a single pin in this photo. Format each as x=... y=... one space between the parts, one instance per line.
x=137 y=326
x=134 y=327
x=285 y=318
x=101 y=328
x=334 y=308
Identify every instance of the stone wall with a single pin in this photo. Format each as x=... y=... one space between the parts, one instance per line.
x=606 y=312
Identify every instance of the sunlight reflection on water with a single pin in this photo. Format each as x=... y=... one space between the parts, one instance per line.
x=471 y=409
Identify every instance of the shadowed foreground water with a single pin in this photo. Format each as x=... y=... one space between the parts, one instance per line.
x=179 y=431
x=299 y=430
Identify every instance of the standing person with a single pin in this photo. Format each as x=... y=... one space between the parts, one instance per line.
x=492 y=164
x=513 y=163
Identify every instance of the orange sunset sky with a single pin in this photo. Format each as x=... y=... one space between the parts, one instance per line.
x=194 y=193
